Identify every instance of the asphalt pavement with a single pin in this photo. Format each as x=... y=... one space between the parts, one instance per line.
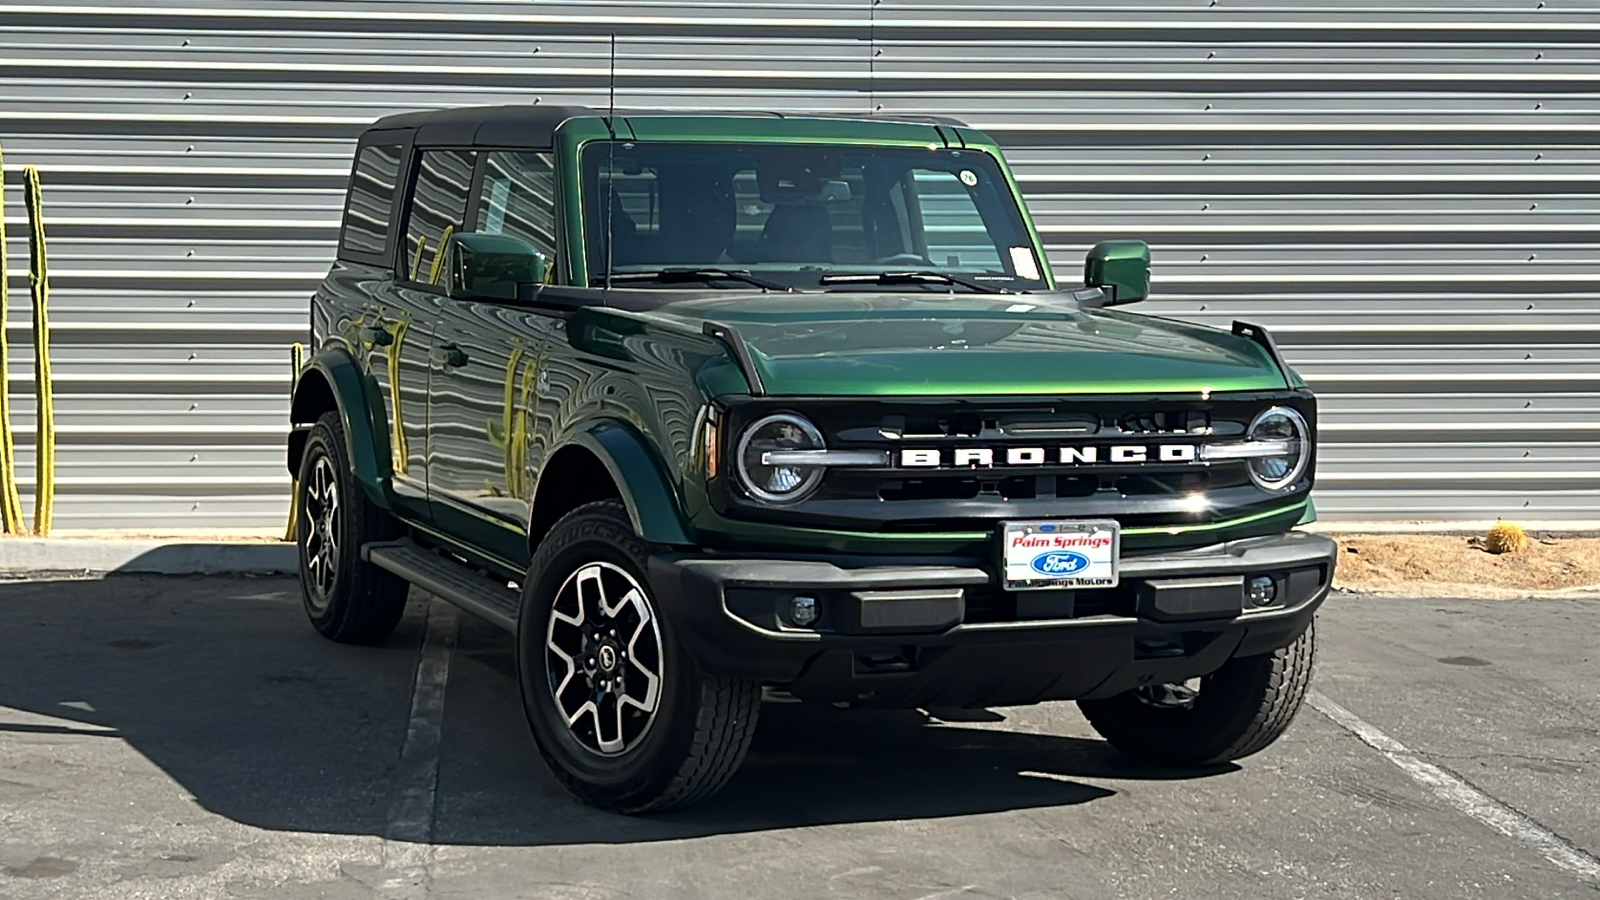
x=167 y=737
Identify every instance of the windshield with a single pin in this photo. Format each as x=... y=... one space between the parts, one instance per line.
x=793 y=213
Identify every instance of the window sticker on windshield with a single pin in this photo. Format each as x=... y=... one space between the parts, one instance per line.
x=1022 y=260
x=969 y=177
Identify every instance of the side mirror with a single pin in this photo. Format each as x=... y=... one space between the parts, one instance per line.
x=490 y=266
x=1121 y=269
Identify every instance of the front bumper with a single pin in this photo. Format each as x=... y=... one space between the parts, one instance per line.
x=917 y=635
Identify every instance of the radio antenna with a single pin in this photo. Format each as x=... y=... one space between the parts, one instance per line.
x=611 y=156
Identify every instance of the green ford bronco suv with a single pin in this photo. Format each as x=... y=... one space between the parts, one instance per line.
x=706 y=406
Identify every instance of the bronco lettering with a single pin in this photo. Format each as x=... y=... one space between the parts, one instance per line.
x=978 y=457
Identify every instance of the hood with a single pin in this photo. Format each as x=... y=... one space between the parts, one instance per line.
x=847 y=343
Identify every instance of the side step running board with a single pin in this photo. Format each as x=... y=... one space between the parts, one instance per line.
x=452 y=581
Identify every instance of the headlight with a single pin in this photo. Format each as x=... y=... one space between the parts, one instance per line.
x=775 y=480
x=1284 y=430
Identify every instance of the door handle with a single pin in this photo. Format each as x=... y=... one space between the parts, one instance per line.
x=452 y=356
x=372 y=334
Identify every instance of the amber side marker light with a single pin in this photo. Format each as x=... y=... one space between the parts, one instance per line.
x=711 y=448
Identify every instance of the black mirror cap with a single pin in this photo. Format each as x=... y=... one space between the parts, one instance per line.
x=1121 y=269
x=491 y=266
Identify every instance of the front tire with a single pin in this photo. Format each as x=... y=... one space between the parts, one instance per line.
x=346 y=599
x=1238 y=710
x=622 y=715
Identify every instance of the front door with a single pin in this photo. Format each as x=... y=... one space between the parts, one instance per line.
x=488 y=376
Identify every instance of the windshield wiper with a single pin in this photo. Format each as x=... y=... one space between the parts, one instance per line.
x=691 y=276
x=887 y=278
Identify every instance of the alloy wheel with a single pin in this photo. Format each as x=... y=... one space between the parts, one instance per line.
x=322 y=523
x=603 y=656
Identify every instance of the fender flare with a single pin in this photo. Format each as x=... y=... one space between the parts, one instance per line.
x=366 y=429
x=635 y=469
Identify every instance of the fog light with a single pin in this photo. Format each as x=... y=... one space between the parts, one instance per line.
x=1261 y=590
x=803 y=610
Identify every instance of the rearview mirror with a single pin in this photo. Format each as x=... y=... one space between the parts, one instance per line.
x=490 y=266
x=1119 y=268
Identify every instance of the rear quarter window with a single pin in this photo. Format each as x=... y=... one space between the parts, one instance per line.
x=366 y=212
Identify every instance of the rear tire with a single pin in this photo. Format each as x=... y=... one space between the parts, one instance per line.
x=621 y=713
x=347 y=600
x=1238 y=710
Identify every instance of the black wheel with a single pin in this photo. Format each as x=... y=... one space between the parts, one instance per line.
x=623 y=716
x=1234 y=712
x=347 y=600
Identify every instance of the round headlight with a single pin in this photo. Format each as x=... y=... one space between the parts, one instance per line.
x=1283 y=426
x=778 y=482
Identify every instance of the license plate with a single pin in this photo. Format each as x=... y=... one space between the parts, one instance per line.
x=1060 y=554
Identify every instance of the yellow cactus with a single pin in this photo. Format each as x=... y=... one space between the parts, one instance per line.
x=510 y=434
x=1505 y=537
x=438 y=255
x=44 y=491
x=400 y=452
x=11 y=515
x=416 y=261
x=499 y=432
x=518 y=450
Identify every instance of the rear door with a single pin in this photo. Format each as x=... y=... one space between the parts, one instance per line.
x=399 y=321
x=483 y=445
x=366 y=312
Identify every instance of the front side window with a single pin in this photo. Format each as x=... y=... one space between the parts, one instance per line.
x=796 y=213
x=366 y=211
x=438 y=209
x=519 y=198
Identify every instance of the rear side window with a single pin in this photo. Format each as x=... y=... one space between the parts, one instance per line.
x=438 y=209
x=366 y=211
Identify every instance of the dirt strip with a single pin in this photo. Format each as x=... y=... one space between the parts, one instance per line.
x=1434 y=565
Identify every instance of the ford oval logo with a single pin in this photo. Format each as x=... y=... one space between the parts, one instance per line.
x=1060 y=562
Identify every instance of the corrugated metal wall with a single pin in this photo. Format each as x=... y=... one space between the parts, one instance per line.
x=1405 y=194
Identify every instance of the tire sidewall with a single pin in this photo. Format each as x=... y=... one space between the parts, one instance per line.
x=591 y=534
x=325 y=442
x=1229 y=719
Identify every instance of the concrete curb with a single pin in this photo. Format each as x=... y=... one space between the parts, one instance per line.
x=146 y=557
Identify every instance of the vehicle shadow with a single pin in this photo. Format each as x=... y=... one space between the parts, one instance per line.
x=221 y=684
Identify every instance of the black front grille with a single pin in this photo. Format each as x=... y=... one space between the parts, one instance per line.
x=966 y=486
x=1029 y=424
x=897 y=496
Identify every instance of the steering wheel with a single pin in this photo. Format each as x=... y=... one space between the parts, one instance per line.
x=903 y=259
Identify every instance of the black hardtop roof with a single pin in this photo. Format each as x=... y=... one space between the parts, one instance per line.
x=532 y=125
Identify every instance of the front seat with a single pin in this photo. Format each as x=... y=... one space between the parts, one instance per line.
x=798 y=232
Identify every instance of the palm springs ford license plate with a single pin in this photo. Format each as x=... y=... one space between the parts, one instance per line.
x=1080 y=554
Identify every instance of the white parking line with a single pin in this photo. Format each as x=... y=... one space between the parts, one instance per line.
x=1458 y=793
x=407 y=847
